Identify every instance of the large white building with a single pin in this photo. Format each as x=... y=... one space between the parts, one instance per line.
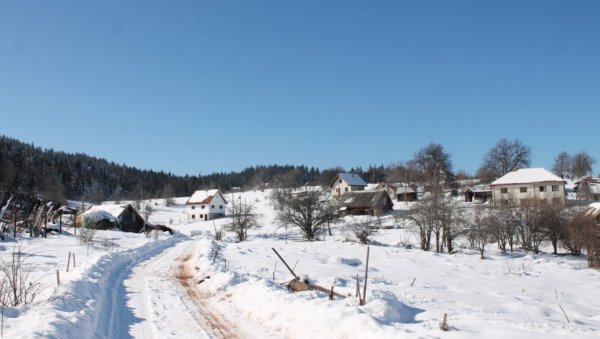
x=523 y=187
x=206 y=205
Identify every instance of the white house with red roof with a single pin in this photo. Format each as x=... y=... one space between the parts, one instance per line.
x=528 y=185
x=206 y=205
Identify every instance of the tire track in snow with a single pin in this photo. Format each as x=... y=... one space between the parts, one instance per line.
x=220 y=327
x=113 y=317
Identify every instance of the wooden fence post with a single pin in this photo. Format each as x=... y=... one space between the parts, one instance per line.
x=364 y=296
x=69 y=261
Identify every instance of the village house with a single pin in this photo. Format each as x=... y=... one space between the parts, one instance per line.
x=346 y=182
x=389 y=188
x=406 y=193
x=365 y=202
x=206 y=205
x=526 y=186
x=478 y=193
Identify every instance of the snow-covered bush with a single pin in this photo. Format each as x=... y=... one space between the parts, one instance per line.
x=86 y=235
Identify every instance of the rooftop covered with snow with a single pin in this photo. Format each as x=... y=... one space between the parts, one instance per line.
x=528 y=176
x=203 y=197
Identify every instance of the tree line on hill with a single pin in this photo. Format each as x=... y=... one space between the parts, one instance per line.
x=57 y=175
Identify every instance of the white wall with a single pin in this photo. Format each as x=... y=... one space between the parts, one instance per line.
x=533 y=193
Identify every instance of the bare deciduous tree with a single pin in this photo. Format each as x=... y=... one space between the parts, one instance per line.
x=562 y=164
x=485 y=221
x=243 y=219
x=364 y=229
x=423 y=221
x=435 y=166
x=554 y=221
x=506 y=156
x=309 y=210
x=581 y=164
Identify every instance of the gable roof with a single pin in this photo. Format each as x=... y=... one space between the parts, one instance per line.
x=478 y=189
x=109 y=212
x=350 y=178
x=528 y=176
x=204 y=197
x=363 y=199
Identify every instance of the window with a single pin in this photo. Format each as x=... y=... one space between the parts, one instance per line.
x=346 y=189
x=504 y=202
x=504 y=190
x=212 y=206
x=523 y=189
x=542 y=188
x=193 y=207
x=193 y=216
x=202 y=207
x=221 y=206
x=340 y=181
x=555 y=188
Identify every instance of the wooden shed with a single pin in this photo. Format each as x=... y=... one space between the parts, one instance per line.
x=123 y=217
x=480 y=194
x=406 y=193
x=366 y=202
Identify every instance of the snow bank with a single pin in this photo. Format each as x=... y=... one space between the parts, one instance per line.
x=80 y=308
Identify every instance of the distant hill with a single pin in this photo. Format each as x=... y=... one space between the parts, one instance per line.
x=58 y=175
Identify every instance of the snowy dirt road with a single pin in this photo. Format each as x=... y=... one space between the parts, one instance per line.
x=163 y=301
x=158 y=301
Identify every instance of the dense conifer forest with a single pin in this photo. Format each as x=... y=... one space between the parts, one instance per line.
x=58 y=175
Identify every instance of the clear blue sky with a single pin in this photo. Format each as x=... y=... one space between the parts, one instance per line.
x=202 y=86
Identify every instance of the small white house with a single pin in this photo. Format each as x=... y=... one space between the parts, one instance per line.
x=206 y=205
x=346 y=182
x=527 y=186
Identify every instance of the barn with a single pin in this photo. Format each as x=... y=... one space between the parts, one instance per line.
x=124 y=217
x=365 y=202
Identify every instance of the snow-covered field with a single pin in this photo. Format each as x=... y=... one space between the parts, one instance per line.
x=127 y=285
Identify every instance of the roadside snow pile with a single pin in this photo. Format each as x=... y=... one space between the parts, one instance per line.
x=301 y=314
x=386 y=308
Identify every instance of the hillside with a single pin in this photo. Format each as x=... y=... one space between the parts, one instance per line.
x=58 y=175
x=126 y=285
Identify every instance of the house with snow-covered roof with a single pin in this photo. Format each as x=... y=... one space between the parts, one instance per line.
x=526 y=186
x=346 y=182
x=206 y=205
